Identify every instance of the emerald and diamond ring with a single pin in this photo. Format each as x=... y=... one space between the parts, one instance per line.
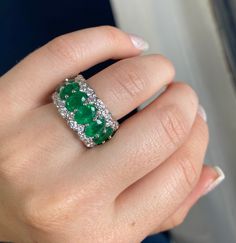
x=84 y=112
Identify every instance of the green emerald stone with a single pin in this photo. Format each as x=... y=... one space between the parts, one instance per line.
x=85 y=114
x=94 y=127
x=68 y=90
x=103 y=136
x=75 y=101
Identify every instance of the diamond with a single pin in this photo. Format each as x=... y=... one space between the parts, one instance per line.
x=73 y=125
x=63 y=112
x=80 y=129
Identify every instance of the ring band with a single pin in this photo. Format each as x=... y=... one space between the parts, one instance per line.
x=84 y=112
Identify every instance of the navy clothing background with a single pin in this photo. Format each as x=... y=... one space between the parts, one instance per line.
x=26 y=25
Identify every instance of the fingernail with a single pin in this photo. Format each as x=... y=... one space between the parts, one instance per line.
x=217 y=181
x=139 y=43
x=201 y=111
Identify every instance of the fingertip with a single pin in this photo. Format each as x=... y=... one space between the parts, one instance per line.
x=202 y=112
x=138 y=42
x=215 y=177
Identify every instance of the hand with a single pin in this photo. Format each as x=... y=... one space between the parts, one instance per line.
x=145 y=179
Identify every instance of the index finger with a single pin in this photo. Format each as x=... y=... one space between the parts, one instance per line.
x=28 y=84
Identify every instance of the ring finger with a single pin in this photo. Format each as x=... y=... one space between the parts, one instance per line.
x=122 y=86
x=29 y=84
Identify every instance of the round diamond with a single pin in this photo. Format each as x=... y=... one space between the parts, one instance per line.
x=63 y=112
x=73 y=125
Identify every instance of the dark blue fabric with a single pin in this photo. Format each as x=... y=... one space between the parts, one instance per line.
x=25 y=25
x=158 y=238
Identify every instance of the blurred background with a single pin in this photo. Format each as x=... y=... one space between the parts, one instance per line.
x=200 y=39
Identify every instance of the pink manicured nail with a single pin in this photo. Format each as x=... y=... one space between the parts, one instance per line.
x=217 y=181
x=201 y=111
x=139 y=43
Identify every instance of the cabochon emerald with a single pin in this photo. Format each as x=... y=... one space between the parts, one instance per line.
x=68 y=90
x=94 y=127
x=85 y=114
x=103 y=136
x=75 y=100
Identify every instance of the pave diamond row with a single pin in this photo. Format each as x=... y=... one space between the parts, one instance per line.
x=92 y=99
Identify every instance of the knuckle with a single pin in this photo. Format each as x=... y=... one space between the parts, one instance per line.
x=130 y=82
x=173 y=125
x=187 y=89
x=189 y=171
x=57 y=211
x=177 y=220
x=111 y=33
x=33 y=217
x=167 y=65
x=52 y=216
x=41 y=221
x=203 y=133
x=63 y=48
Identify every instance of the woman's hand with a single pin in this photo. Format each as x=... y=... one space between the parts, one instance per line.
x=144 y=180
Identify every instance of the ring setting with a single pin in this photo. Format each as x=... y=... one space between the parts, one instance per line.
x=84 y=112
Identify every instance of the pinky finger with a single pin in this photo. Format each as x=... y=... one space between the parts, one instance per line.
x=209 y=179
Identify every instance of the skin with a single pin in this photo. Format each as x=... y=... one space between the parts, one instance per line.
x=54 y=189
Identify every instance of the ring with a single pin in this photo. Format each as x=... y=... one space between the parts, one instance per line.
x=84 y=112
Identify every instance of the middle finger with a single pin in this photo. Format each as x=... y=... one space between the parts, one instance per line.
x=128 y=83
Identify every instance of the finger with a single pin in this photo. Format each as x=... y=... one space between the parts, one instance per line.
x=152 y=71
x=35 y=77
x=146 y=139
x=160 y=193
x=128 y=83
x=208 y=176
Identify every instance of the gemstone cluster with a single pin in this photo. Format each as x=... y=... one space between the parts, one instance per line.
x=84 y=112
